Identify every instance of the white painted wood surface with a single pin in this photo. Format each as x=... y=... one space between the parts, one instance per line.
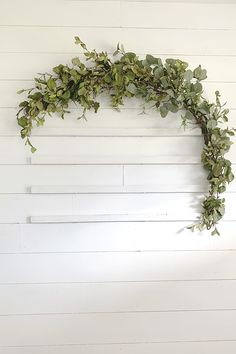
x=49 y=298
x=95 y=257
x=127 y=348
x=104 y=237
x=113 y=328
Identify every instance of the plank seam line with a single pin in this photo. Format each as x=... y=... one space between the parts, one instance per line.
x=111 y=312
x=109 y=193
x=119 y=343
x=121 y=281
x=111 y=53
x=119 y=251
x=164 y=221
x=121 y=27
x=87 y=135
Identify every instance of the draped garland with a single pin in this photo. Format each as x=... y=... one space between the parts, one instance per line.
x=167 y=86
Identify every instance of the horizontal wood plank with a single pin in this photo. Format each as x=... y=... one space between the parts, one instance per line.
x=58 y=175
x=107 y=13
x=78 y=13
x=90 y=150
x=149 y=175
x=132 y=189
x=107 y=122
x=105 y=207
x=212 y=347
x=117 y=267
x=19 y=208
x=157 y=41
x=117 y=328
x=144 y=15
x=109 y=297
x=105 y=150
x=107 y=237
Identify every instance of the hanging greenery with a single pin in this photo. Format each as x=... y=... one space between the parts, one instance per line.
x=165 y=86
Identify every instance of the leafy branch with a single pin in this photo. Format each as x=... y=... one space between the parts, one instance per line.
x=167 y=86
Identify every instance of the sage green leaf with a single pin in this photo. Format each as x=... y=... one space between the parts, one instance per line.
x=163 y=111
x=20 y=91
x=39 y=105
x=23 y=121
x=66 y=95
x=199 y=73
x=79 y=42
x=131 y=88
x=211 y=124
x=171 y=107
x=222 y=189
x=151 y=60
x=159 y=72
x=82 y=91
x=189 y=115
x=230 y=177
x=164 y=82
x=204 y=107
x=217 y=169
x=51 y=84
x=76 y=61
x=23 y=104
x=197 y=87
x=215 y=232
x=188 y=75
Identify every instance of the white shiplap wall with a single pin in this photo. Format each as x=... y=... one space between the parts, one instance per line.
x=80 y=272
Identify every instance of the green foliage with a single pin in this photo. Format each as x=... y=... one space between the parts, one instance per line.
x=167 y=86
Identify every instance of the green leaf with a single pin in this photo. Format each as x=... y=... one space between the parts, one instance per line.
x=189 y=115
x=230 y=177
x=20 y=91
x=204 y=107
x=217 y=169
x=188 y=75
x=197 y=87
x=199 y=73
x=66 y=95
x=222 y=189
x=33 y=149
x=164 y=82
x=151 y=60
x=23 y=121
x=131 y=88
x=215 y=232
x=163 y=111
x=23 y=104
x=79 y=42
x=51 y=84
x=39 y=105
x=211 y=124
x=76 y=61
x=159 y=72
x=82 y=91
x=172 y=107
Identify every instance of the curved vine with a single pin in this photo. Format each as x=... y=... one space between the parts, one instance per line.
x=167 y=86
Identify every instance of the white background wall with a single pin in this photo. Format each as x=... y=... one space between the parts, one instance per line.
x=112 y=287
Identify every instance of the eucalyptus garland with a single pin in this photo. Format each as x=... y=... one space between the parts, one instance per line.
x=167 y=86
